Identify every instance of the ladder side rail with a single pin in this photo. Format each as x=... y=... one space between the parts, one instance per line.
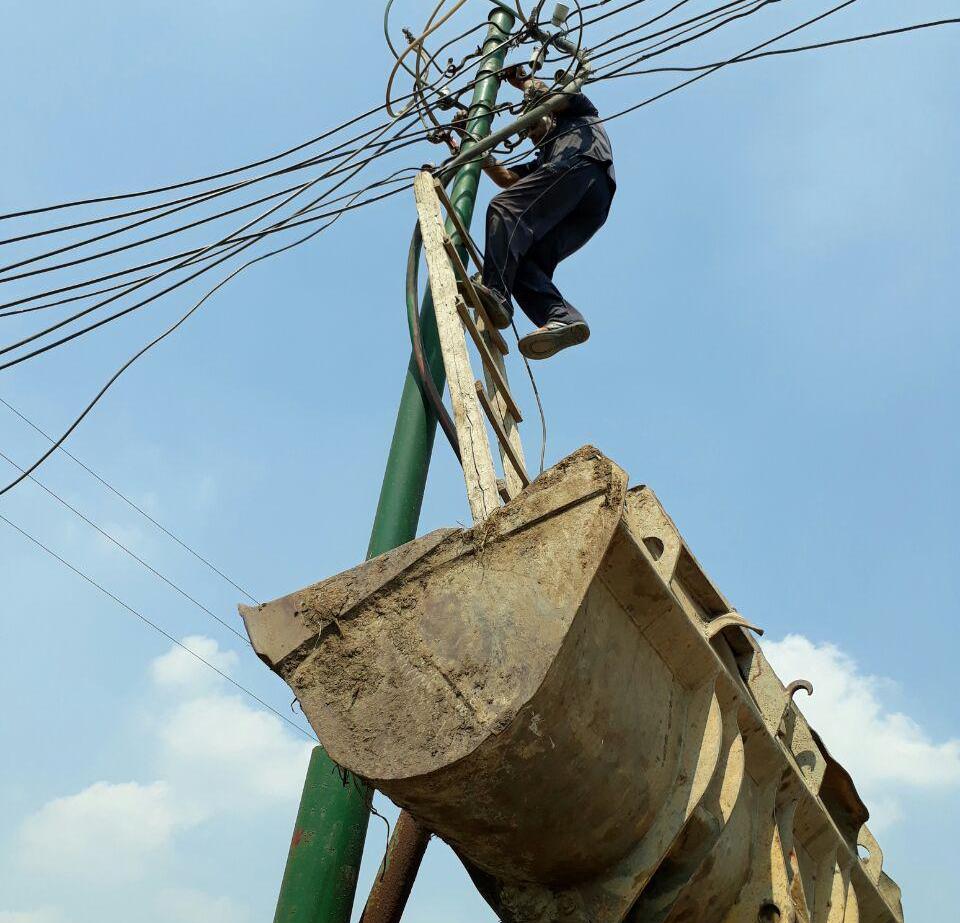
x=516 y=463
x=478 y=471
x=460 y=271
x=515 y=473
x=496 y=371
x=503 y=412
x=461 y=230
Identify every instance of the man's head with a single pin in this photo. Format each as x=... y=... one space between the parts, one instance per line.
x=541 y=128
x=533 y=91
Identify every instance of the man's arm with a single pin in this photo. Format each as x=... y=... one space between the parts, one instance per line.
x=504 y=177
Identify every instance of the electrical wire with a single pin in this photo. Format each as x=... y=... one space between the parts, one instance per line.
x=183 y=184
x=794 y=50
x=52 y=304
x=401 y=140
x=196 y=198
x=192 y=200
x=132 y=554
x=742 y=8
x=145 y=349
x=654 y=19
x=129 y=502
x=142 y=303
x=151 y=624
x=677 y=87
x=242 y=243
x=190 y=255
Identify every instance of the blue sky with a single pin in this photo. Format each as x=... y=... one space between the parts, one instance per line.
x=773 y=305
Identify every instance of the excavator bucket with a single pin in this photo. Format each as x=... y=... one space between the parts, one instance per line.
x=564 y=697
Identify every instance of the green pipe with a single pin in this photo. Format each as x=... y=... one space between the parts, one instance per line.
x=405 y=479
x=320 y=879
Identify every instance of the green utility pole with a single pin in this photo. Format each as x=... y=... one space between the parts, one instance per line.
x=320 y=879
x=405 y=480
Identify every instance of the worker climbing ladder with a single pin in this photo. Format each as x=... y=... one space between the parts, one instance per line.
x=460 y=312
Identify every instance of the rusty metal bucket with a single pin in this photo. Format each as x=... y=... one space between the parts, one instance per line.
x=563 y=696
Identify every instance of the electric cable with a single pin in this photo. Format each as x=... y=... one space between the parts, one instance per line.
x=189 y=226
x=202 y=179
x=125 y=549
x=203 y=196
x=654 y=19
x=52 y=304
x=58 y=443
x=26 y=340
x=794 y=50
x=191 y=256
x=241 y=244
x=743 y=8
x=130 y=502
x=677 y=87
x=146 y=621
x=196 y=198
x=150 y=239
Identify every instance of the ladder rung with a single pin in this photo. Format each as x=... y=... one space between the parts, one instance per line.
x=455 y=219
x=466 y=286
x=488 y=361
x=501 y=434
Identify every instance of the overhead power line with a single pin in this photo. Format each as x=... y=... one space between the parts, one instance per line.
x=192 y=253
x=793 y=50
x=151 y=624
x=58 y=443
x=188 y=265
x=124 y=548
x=122 y=496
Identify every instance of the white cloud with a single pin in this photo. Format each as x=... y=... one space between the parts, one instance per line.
x=214 y=758
x=105 y=833
x=887 y=753
x=180 y=670
x=233 y=751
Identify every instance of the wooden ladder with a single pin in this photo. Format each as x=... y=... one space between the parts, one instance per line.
x=459 y=312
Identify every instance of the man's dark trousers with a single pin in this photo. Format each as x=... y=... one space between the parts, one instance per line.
x=539 y=221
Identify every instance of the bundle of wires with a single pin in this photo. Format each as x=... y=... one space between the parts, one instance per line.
x=74 y=269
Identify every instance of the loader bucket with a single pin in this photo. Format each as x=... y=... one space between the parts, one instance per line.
x=562 y=695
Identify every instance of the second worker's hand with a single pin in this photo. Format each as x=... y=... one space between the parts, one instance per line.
x=516 y=76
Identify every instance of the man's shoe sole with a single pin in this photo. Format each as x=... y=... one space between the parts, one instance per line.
x=498 y=314
x=543 y=344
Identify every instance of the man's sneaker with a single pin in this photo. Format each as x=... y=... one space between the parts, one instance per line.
x=497 y=309
x=551 y=338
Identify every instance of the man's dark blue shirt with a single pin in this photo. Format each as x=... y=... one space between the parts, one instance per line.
x=578 y=134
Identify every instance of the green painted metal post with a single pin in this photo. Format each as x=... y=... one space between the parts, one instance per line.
x=405 y=480
x=320 y=879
